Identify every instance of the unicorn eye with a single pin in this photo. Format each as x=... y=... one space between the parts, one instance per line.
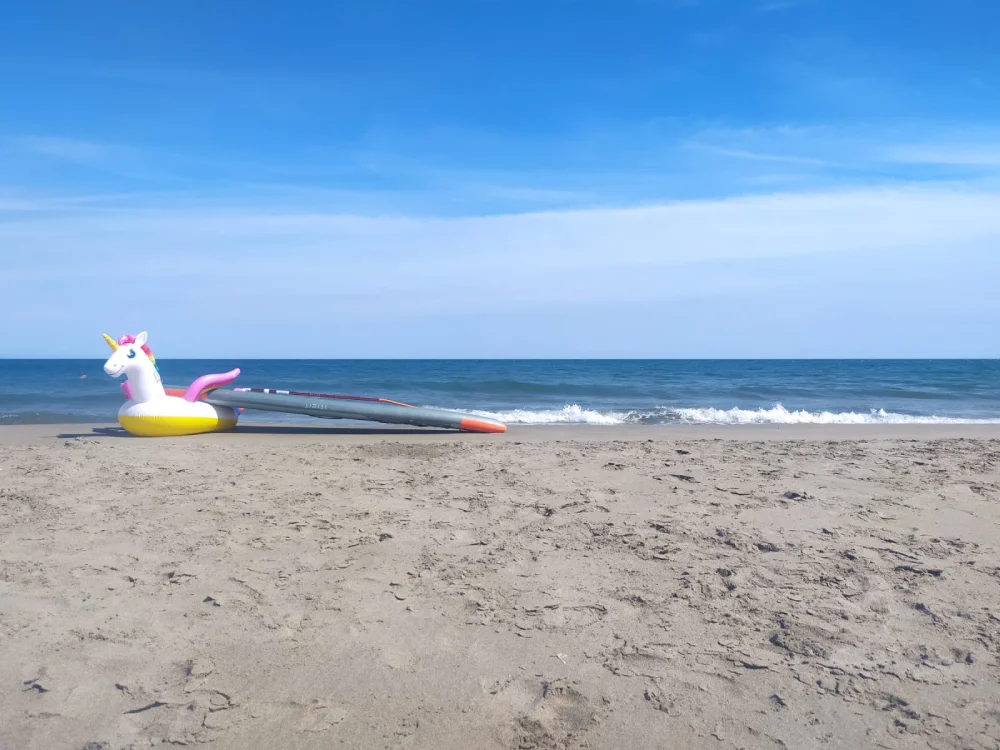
x=131 y=353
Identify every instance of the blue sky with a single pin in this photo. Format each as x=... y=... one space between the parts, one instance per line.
x=496 y=178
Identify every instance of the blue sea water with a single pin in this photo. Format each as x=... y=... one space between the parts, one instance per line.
x=559 y=391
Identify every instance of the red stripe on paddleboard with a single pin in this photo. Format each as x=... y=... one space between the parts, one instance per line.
x=324 y=395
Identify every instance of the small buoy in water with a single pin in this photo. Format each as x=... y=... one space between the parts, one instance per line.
x=83 y=377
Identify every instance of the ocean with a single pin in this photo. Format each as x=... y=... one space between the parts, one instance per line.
x=603 y=392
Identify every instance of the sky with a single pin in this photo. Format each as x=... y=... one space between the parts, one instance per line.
x=501 y=178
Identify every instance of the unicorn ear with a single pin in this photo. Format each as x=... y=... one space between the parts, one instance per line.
x=140 y=340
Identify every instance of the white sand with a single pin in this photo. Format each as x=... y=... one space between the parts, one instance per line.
x=549 y=588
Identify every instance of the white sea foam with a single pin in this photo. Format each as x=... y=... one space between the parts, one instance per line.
x=780 y=415
x=574 y=414
x=571 y=414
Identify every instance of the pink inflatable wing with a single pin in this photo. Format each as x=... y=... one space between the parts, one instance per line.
x=209 y=381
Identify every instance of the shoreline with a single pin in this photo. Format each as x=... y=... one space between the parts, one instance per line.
x=26 y=434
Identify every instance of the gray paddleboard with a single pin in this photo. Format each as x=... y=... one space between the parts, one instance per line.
x=327 y=407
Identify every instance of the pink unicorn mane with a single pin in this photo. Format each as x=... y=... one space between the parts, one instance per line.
x=128 y=338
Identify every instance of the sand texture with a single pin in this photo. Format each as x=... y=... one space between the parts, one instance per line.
x=638 y=588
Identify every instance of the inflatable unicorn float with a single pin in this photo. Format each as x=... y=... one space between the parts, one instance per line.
x=150 y=410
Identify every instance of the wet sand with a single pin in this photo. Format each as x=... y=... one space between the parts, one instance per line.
x=644 y=587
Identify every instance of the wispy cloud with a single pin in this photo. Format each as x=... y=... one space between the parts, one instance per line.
x=73 y=150
x=871 y=154
x=970 y=155
x=737 y=153
x=639 y=163
x=19 y=201
x=82 y=155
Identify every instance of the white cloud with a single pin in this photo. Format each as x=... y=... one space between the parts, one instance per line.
x=272 y=282
x=368 y=250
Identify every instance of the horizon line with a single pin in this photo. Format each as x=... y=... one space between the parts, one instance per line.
x=531 y=359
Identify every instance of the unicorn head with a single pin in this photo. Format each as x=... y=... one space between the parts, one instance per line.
x=131 y=360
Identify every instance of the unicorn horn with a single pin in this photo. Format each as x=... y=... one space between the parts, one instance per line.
x=111 y=342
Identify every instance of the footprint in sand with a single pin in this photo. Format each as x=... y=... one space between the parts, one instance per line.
x=321 y=716
x=398 y=658
x=286 y=718
x=542 y=712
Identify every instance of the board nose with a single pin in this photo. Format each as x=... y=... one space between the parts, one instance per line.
x=479 y=425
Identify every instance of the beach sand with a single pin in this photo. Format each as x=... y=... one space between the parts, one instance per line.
x=630 y=588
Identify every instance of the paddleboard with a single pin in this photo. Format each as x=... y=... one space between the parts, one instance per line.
x=333 y=406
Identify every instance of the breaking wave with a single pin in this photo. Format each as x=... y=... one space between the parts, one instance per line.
x=571 y=414
x=778 y=414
